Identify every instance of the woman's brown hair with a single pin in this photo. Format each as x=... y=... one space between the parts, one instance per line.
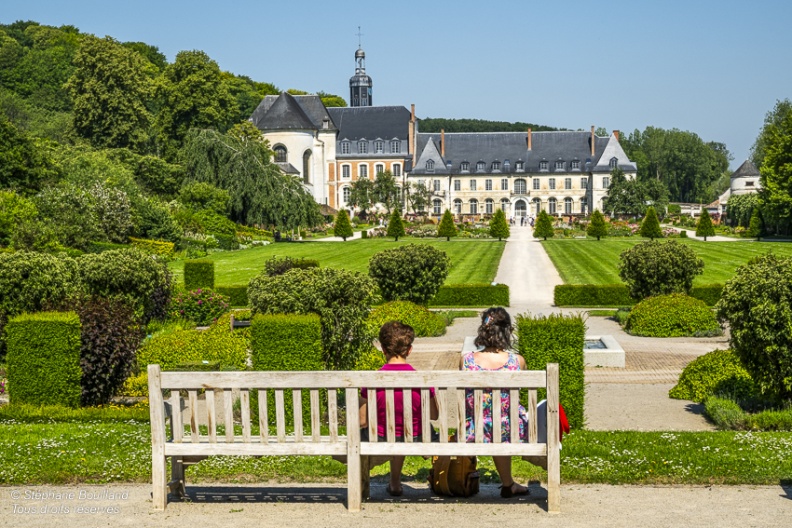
x=495 y=330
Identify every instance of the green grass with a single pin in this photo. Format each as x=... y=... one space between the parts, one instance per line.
x=601 y=313
x=472 y=261
x=596 y=262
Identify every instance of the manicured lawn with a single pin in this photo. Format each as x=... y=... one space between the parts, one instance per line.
x=472 y=261
x=596 y=262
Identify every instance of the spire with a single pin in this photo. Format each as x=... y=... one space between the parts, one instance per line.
x=360 y=84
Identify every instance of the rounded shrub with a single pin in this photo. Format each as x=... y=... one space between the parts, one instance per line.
x=280 y=265
x=659 y=268
x=202 y=306
x=410 y=273
x=719 y=372
x=371 y=359
x=424 y=322
x=675 y=315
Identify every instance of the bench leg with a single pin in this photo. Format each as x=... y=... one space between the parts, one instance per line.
x=159 y=494
x=353 y=484
x=554 y=481
x=365 y=477
x=177 y=476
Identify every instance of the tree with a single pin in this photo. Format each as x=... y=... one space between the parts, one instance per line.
x=412 y=273
x=418 y=196
x=14 y=210
x=395 y=225
x=657 y=268
x=447 y=228
x=362 y=194
x=111 y=89
x=756 y=227
x=755 y=303
x=625 y=197
x=597 y=227
x=499 y=227
x=775 y=142
x=342 y=227
x=773 y=120
x=330 y=100
x=386 y=191
x=740 y=208
x=704 y=227
x=23 y=166
x=544 y=226
x=650 y=227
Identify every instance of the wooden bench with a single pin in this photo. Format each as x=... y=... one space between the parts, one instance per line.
x=222 y=388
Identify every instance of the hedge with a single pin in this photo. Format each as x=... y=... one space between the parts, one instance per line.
x=199 y=274
x=44 y=358
x=476 y=295
x=237 y=294
x=287 y=342
x=557 y=338
x=99 y=247
x=675 y=315
x=585 y=295
x=155 y=247
x=716 y=373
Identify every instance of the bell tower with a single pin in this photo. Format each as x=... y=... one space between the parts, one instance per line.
x=360 y=84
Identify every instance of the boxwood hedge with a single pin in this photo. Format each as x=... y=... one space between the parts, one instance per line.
x=424 y=322
x=674 y=315
x=476 y=295
x=199 y=274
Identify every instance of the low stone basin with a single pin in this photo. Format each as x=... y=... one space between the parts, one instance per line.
x=603 y=351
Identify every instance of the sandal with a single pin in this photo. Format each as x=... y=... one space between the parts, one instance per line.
x=507 y=492
x=394 y=492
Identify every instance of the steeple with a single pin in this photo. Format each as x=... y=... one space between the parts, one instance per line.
x=360 y=84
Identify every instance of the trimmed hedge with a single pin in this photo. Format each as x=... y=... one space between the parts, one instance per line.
x=424 y=322
x=44 y=358
x=99 y=247
x=477 y=295
x=287 y=342
x=716 y=373
x=155 y=247
x=199 y=274
x=585 y=295
x=675 y=315
x=237 y=294
x=557 y=338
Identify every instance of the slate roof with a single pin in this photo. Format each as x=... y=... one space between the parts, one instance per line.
x=289 y=112
x=371 y=122
x=746 y=170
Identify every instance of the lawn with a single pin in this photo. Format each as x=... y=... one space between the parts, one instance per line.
x=596 y=262
x=472 y=261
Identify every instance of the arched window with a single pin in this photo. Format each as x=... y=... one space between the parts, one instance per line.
x=480 y=166
x=473 y=206
x=379 y=168
x=307 y=166
x=345 y=171
x=537 y=205
x=396 y=170
x=567 y=205
x=345 y=193
x=457 y=206
x=363 y=170
x=551 y=206
x=489 y=205
x=584 y=206
x=281 y=154
x=614 y=162
x=436 y=206
x=505 y=204
x=429 y=165
x=519 y=186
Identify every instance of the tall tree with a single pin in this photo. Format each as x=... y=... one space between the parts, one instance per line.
x=650 y=227
x=361 y=194
x=597 y=227
x=111 y=89
x=418 y=196
x=544 y=226
x=499 y=227
x=704 y=227
x=624 y=197
x=23 y=163
x=773 y=120
x=447 y=228
x=395 y=225
x=756 y=228
x=775 y=142
x=386 y=191
x=342 y=226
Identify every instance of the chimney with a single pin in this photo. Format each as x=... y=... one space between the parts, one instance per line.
x=592 y=141
x=529 y=139
x=616 y=134
x=411 y=134
x=442 y=143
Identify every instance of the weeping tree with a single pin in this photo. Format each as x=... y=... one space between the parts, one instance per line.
x=260 y=192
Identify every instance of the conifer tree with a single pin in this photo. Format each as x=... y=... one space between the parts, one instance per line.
x=756 y=228
x=499 y=228
x=342 y=227
x=650 y=227
x=447 y=228
x=704 y=227
x=544 y=226
x=395 y=225
x=597 y=227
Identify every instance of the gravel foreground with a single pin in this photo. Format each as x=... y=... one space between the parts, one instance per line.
x=215 y=505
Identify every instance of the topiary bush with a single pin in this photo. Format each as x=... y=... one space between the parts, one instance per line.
x=44 y=358
x=341 y=298
x=557 y=338
x=342 y=226
x=447 y=228
x=650 y=227
x=592 y=295
x=424 y=322
x=395 y=225
x=709 y=293
x=675 y=315
x=719 y=372
x=410 y=273
x=203 y=306
x=199 y=274
x=659 y=268
x=499 y=227
x=109 y=339
x=597 y=227
x=279 y=265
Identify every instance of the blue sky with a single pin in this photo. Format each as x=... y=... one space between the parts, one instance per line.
x=712 y=67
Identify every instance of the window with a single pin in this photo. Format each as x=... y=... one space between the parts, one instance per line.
x=552 y=183
x=345 y=171
x=584 y=183
x=345 y=193
x=519 y=186
x=504 y=204
x=504 y=184
x=437 y=185
x=480 y=166
x=536 y=184
x=280 y=154
x=496 y=165
x=472 y=185
x=575 y=164
x=605 y=182
x=429 y=166
x=458 y=206
x=614 y=162
x=520 y=166
x=345 y=147
x=567 y=205
x=542 y=165
x=379 y=168
x=487 y=185
x=584 y=206
x=379 y=147
x=551 y=206
x=395 y=146
x=567 y=183
x=457 y=185
x=362 y=170
x=489 y=204
x=464 y=166
x=396 y=169
x=559 y=165
x=473 y=206
x=362 y=147
x=436 y=206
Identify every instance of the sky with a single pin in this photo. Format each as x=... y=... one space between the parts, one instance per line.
x=711 y=67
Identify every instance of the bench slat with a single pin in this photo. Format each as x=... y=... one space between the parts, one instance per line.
x=193 y=397
x=442 y=396
x=244 y=405
x=257 y=449
x=461 y=415
x=332 y=411
x=478 y=415
x=263 y=416
x=315 y=415
x=280 y=415
x=228 y=401
x=177 y=426
x=298 y=416
x=407 y=415
x=497 y=423
x=532 y=418
x=211 y=415
x=371 y=407
x=426 y=415
x=514 y=415
x=452 y=448
x=390 y=415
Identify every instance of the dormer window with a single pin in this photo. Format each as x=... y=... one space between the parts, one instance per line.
x=496 y=166
x=362 y=147
x=345 y=147
x=543 y=165
x=379 y=147
x=480 y=166
x=614 y=162
x=395 y=146
x=429 y=166
x=464 y=166
x=576 y=165
x=559 y=165
x=520 y=166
